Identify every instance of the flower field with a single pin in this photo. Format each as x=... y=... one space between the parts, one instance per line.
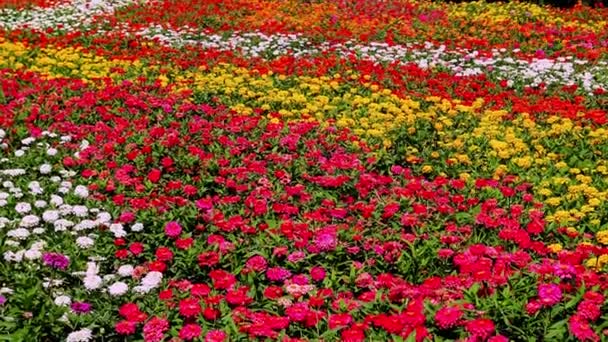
x=292 y=170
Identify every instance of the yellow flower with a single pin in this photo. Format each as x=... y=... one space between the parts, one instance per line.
x=555 y=248
x=602 y=237
x=427 y=169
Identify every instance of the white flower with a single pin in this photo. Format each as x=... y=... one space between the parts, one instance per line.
x=80 y=210
x=2 y=133
x=55 y=179
x=81 y=191
x=92 y=268
x=118 y=230
x=19 y=233
x=84 y=224
x=51 y=151
x=3 y=203
x=118 y=289
x=28 y=140
x=62 y=224
x=19 y=153
x=38 y=245
x=4 y=195
x=38 y=230
x=83 y=335
x=50 y=216
x=63 y=300
x=125 y=270
x=8 y=184
x=137 y=227
x=14 y=256
x=56 y=200
x=40 y=204
x=92 y=282
x=65 y=209
x=29 y=221
x=32 y=254
x=45 y=169
x=85 y=242
x=23 y=207
x=6 y=290
x=12 y=243
x=104 y=217
x=64 y=318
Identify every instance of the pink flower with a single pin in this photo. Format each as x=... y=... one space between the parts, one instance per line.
x=326 y=239
x=317 y=273
x=173 y=229
x=256 y=263
x=154 y=330
x=481 y=327
x=277 y=274
x=549 y=294
x=215 y=336
x=297 y=312
x=533 y=306
x=579 y=327
x=190 y=331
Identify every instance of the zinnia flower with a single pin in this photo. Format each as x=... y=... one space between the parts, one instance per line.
x=549 y=294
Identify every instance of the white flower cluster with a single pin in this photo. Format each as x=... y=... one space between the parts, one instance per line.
x=67 y=16
x=149 y=282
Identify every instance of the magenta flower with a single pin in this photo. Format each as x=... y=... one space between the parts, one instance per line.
x=56 y=260
x=549 y=294
x=173 y=229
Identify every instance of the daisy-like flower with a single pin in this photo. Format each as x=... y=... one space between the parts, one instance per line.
x=83 y=335
x=118 y=289
x=85 y=242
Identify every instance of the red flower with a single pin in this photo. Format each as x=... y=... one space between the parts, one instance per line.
x=164 y=254
x=184 y=243
x=154 y=175
x=353 y=335
x=239 y=296
x=448 y=317
x=189 y=307
x=208 y=259
x=222 y=279
x=125 y=327
x=339 y=320
x=216 y=336
x=136 y=248
x=480 y=328
x=121 y=253
x=200 y=290
x=131 y=312
x=190 y=331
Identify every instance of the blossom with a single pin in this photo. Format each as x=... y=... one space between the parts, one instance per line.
x=216 y=336
x=480 y=327
x=154 y=329
x=189 y=307
x=173 y=229
x=190 y=331
x=81 y=307
x=448 y=317
x=56 y=260
x=83 y=335
x=549 y=294
x=118 y=289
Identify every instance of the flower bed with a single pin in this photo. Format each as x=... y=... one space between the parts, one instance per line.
x=330 y=175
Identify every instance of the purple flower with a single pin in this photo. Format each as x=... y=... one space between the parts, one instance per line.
x=56 y=260
x=2 y=300
x=81 y=307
